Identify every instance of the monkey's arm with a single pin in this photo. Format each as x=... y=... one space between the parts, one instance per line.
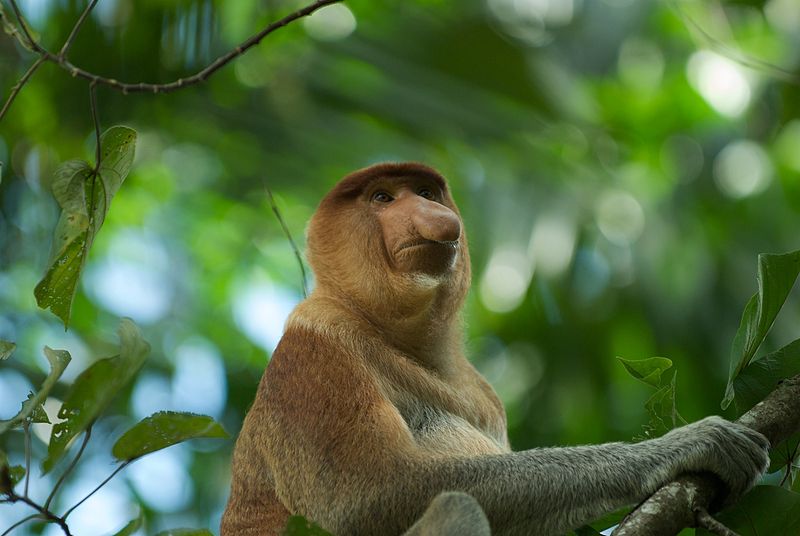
x=552 y=490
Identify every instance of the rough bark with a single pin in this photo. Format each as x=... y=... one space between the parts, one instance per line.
x=672 y=508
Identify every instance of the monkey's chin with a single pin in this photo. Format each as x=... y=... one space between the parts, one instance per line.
x=431 y=260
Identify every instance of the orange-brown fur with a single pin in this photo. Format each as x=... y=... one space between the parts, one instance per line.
x=369 y=352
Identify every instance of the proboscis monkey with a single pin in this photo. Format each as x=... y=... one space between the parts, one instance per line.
x=370 y=421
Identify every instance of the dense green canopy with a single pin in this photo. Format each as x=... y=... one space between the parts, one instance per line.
x=619 y=165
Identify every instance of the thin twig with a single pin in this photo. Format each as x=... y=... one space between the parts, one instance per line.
x=200 y=76
x=11 y=29
x=44 y=513
x=69 y=469
x=68 y=43
x=93 y=106
x=18 y=523
x=707 y=521
x=288 y=235
x=18 y=86
x=24 y=25
x=122 y=466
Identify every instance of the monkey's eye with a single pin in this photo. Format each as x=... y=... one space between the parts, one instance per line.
x=426 y=193
x=382 y=197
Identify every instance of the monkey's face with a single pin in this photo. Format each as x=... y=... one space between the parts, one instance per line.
x=389 y=235
x=420 y=233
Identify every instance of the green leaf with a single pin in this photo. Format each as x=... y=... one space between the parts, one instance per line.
x=94 y=389
x=59 y=359
x=586 y=531
x=784 y=453
x=185 y=532
x=71 y=241
x=84 y=196
x=761 y=376
x=164 y=429
x=663 y=411
x=6 y=349
x=17 y=473
x=9 y=475
x=300 y=526
x=118 y=145
x=38 y=415
x=610 y=519
x=776 y=277
x=765 y=510
x=131 y=527
x=5 y=475
x=648 y=370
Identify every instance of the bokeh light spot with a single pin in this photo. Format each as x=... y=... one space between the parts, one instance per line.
x=619 y=217
x=505 y=280
x=720 y=81
x=552 y=244
x=331 y=23
x=742 y=169
x=260 y=310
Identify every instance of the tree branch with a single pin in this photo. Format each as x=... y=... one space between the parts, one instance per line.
x=18 y=86
x=24 y=25
x=674 y=506
x=97 y=150
x=139 y=87
x=68 y=43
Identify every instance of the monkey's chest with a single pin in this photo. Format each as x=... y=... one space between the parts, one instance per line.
x=447 y=434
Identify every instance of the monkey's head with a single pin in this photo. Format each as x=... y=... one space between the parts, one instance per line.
x=390 y=236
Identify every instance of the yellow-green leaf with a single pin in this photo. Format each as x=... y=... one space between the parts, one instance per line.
x=94 y=389
x=162 y=430
x=84 y=195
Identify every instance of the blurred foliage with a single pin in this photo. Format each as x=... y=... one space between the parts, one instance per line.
x=619 y=164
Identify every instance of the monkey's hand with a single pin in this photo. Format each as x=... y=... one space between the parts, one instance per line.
x=738 y=455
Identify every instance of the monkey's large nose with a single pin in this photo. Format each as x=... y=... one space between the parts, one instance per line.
x=436 y=222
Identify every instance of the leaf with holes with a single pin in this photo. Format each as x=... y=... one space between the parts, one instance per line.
x=776 y=277
x=84 y=195
x=94 y=389
x=164 y=429
x=59 y=359
x=38 y=415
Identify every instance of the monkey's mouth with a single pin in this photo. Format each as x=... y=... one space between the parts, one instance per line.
x=426 y=256
x=450 y=245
